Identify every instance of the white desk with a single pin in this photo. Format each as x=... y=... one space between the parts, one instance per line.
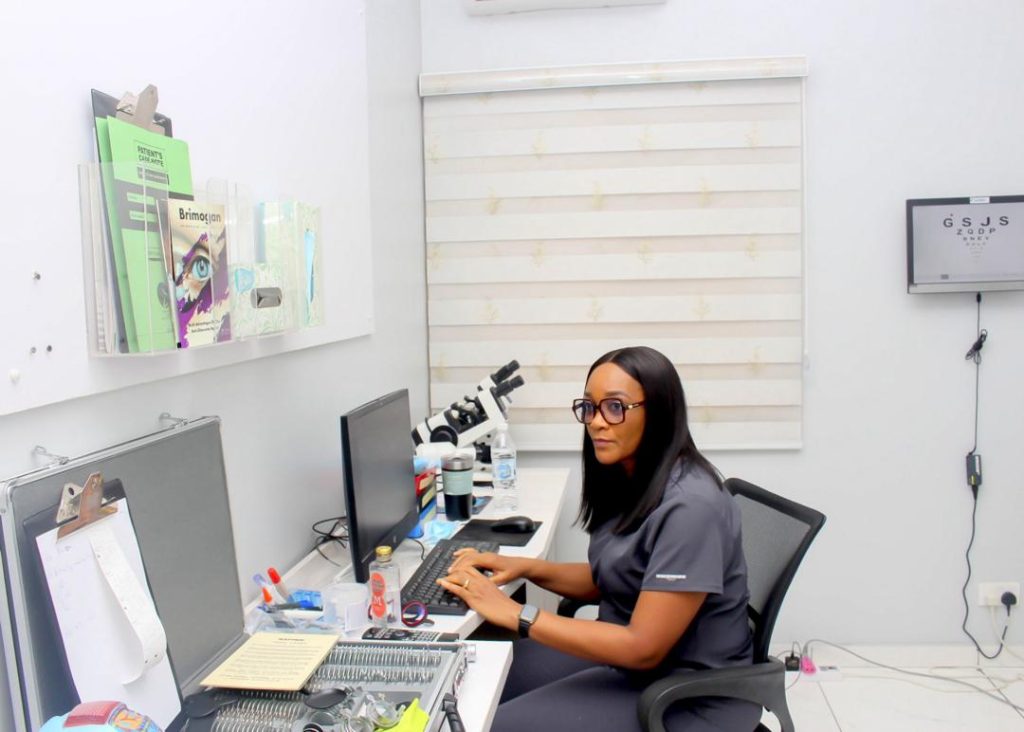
x=541 y=497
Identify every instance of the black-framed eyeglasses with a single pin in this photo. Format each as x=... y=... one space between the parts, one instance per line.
x=612 y=409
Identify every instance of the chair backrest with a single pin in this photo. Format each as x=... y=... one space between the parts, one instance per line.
x=776 y=534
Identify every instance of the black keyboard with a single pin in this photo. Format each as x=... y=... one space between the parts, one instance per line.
x=422 y=586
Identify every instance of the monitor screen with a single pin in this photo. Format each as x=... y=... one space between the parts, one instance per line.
x=380 y=496
x=965 y=244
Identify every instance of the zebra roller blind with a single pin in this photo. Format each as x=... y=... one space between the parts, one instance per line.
x=572 y=211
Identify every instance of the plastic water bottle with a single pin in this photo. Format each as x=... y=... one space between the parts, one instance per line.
x=385 y=588
x=503 y=467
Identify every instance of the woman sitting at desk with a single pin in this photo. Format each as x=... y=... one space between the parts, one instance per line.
x=666 y=563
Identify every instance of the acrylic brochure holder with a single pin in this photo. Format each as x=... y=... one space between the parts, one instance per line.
x=165 y=272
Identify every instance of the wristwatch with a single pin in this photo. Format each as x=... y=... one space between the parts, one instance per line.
x=527 y=617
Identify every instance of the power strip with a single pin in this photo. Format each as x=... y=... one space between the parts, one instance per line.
x=824 y=673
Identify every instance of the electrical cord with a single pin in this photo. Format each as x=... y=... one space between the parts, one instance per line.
x=998 y=683
x=963 y=590
x=321 y=553
x=337 y=533
x=332 y=534
x=1003 y=683
x=1002 y=700
x=974 y=480
x=995 y=630
x=974 y=354
x=423 y=549
x=795 y=652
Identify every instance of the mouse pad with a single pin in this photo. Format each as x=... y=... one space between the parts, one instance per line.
x=480 y=530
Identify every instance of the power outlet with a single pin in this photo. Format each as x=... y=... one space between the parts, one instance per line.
x=990 y=593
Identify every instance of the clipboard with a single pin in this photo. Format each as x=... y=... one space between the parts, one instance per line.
x=175 y=482
x=103 y=106
x=113 y=639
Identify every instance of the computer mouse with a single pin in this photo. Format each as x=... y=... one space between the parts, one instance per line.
x=514 y=525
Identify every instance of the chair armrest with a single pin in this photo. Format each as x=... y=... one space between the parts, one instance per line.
x=568 y=607
x=762 y=683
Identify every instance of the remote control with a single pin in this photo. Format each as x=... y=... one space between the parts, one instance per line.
x=401 y=634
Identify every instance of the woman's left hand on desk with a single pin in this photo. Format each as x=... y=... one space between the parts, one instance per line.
x=484 y=596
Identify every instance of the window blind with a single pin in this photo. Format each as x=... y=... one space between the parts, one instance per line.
x=573 y=211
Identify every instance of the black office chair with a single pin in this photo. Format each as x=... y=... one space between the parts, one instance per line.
x=776 y=534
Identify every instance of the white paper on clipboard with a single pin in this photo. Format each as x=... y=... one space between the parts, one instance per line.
x=113 y=640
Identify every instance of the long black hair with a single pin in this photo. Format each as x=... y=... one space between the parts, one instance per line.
x=608 y=492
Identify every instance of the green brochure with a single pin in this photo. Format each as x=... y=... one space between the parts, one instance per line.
x=140 y=168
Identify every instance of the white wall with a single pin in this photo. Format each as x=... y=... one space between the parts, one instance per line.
x=904 y=100
x=280 y=414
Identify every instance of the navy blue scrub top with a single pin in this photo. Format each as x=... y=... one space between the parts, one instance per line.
x=689 y=543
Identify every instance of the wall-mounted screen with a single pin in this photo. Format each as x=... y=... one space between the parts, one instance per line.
x=965 y=244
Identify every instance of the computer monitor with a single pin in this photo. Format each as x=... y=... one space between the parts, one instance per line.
x=380 y=496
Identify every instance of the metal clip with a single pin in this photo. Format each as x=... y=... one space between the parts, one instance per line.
x=56 y=459
x=90 y=505
x=139 y=110
x=168 y=417
x=70 y=500
x=266 y=297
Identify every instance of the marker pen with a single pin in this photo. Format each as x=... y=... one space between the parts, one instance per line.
x=288 y=606
x=278 y=584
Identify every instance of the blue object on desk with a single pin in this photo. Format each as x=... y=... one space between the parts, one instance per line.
x=420 y=463
x=428 y=512
x=437 y=530
x=309 y=599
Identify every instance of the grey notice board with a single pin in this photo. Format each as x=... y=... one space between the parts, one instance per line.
x=174 y=481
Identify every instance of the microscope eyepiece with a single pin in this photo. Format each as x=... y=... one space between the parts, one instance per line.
x=507 y=386
x=505 y=371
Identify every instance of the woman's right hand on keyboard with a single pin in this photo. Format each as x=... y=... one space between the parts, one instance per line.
x=503 y=569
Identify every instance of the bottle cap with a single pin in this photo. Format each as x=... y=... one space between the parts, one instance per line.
x=384 y=553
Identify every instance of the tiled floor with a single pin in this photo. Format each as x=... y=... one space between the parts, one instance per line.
x=861 y=697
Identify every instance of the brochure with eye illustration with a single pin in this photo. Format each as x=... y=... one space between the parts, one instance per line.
x=196 y=254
